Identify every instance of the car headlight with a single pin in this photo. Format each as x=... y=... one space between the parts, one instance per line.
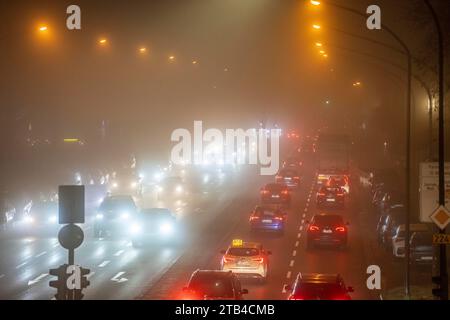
x=179 y=189
x=99 y=216
x=135 y=228
x=28 y=219
x=166 y=228
x=52 y=219
x=124 y=215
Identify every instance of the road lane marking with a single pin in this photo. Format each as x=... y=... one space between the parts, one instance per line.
x=40 y=254
x=297 y=243
x=303 y=221
x=288 y=275
x=299 y=235
x=55 y=245
x=291 y=264
x=294 y=253
x=118 y=253
x=117 y=278
x=304 y=215
x=284 y=289
x=104 y=264
x=21 y=265
x=301 y=228
x=37 y=279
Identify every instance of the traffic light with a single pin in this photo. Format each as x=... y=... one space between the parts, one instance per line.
x=437 y=292
x=84 y=283
x=60 y=283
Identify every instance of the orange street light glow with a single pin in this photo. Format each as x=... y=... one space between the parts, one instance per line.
x=322 y=52
x=325 y=55
x=171 y=58
x=102 y=41
x=357 y=84
x=43 y=28
x=315 y=2
x=194 y=62
x=143 y=50
x=316 y=26
x=318 y=44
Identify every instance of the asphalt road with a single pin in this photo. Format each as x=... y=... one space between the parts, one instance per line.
x=211 y=220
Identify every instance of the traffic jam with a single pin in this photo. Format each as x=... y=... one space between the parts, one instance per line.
x=257 y=151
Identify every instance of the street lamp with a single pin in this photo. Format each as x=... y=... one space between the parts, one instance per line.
x=315 y=2
x=103 y=41
x=171 y=58
x=319 y=44
x=142 y=50
x=43 y=29
x=316 y=26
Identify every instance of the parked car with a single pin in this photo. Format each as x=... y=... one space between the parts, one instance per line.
x=398 y=240
x=421 y=248
x=394 y=218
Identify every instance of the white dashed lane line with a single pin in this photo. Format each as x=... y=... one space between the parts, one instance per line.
x=291 y=264
x=294 y=253
x=118 y=253
x=297 y=243
x=299 y=235
x=104 y=264
x=288 y=275
x=40 y=254
x=21 y=265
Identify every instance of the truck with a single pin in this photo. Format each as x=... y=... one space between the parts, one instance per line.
x=333 y=156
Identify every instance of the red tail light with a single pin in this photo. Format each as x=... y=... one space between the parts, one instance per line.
x=260 y=260
x=278 y=218
x=285 y=192
x=296 y=298
x=340 y=194
x=264 y=191
x=313 y=228
x=296 y=178
x=253 y=218
x=321 y=194
x=226 y=260
x=340 y=229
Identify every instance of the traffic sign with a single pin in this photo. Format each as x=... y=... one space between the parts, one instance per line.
x=441 y=238
x=70 y=236
x=441 y=217
x=429 y=188
x=71 y=204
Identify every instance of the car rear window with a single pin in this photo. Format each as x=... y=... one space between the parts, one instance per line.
x=320 y=291
x=328 y=219
x=212 y=285
x=243 y=252
x=275 y=187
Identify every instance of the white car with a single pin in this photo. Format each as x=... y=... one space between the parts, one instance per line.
x=398 y=240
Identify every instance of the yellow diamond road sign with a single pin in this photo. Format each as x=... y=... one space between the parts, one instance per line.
x=441 y=217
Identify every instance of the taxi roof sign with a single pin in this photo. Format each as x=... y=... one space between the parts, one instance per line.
x=237 y=243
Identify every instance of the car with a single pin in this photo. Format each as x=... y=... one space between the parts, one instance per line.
x=213 y=285
x=293 y=163
x=398 y=240
x=171 y=187
x=113 y=213
x=265 y=218
x=42 y=213
x=378 y=195
x=421 y=248
x=394 y=217
x=288 y=176
x=154 y=226
x=318 y=286
x=380 y=225
x=340 y=181
x=327 y=229
x=330 y=196
x=275 y=193
x=246 y=259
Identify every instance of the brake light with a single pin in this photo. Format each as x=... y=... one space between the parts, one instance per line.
x=285 y=192
x=253 y=218
x=296 y=178
x=264 y=191
x=313 y=228
x=340 y=229
x=260 y=260
x=278 y=218
x=226 y=260
x=340 y=194
x=321 y=194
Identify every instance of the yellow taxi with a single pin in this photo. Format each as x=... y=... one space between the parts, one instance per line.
x=247 y=259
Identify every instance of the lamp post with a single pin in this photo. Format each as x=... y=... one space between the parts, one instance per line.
x=407 y=52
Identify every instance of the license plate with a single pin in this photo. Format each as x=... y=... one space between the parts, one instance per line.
x=267 y=221
x=287 y=178
x=331 y=200
x=275 y=196
x=242 y=263
x=327 y=231
x=426 y=258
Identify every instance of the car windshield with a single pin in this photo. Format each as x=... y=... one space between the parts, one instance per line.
x=243 y=252
x=275 y=187
x=212 y=285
